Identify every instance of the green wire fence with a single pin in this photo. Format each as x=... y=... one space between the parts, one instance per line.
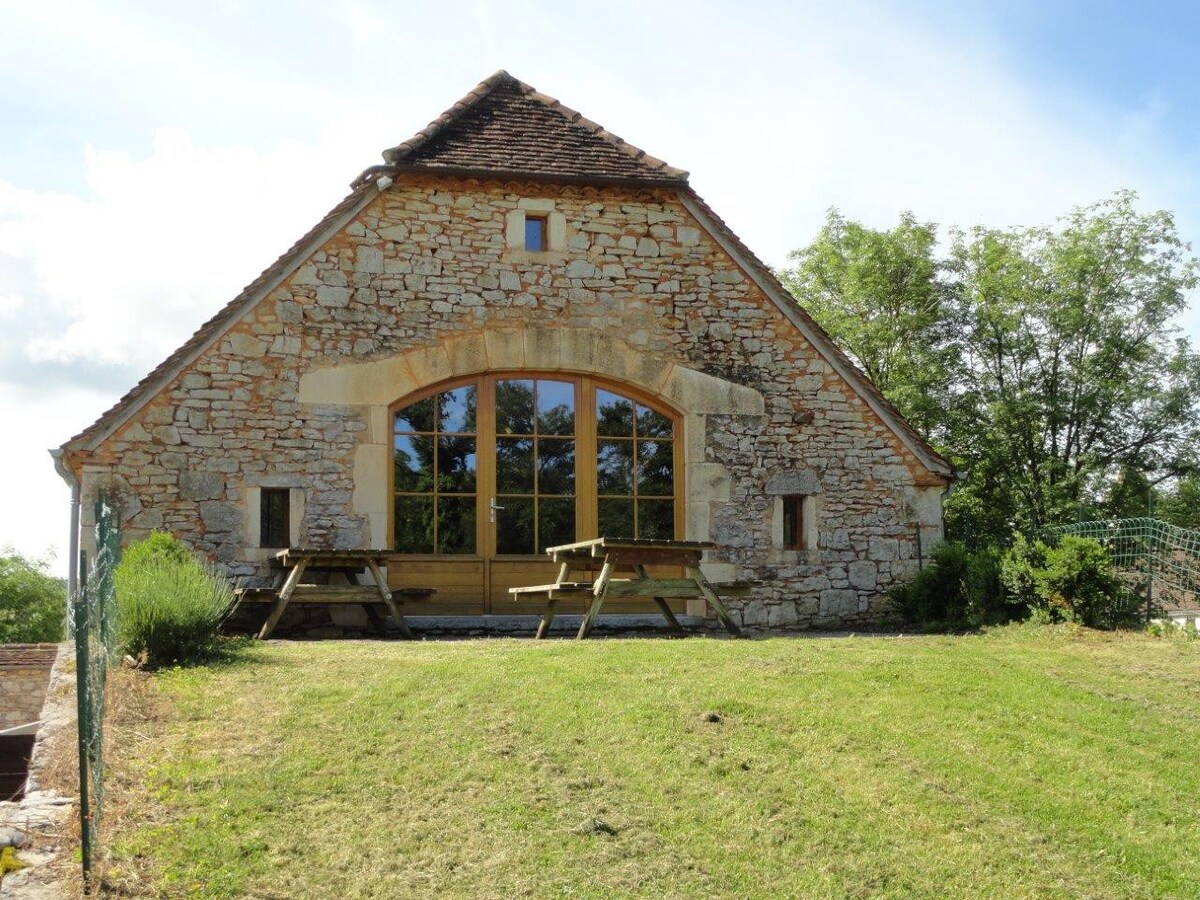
x=93 y=621
x=1161 y=560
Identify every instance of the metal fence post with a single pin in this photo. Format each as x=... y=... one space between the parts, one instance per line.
x=83 y=700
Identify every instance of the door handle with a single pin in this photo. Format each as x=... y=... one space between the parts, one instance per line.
x=492 y=507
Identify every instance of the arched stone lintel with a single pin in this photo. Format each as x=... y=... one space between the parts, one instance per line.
x=382 y=382
x=378 y=384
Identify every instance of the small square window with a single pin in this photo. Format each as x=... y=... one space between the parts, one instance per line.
x=275 y=519
x=793 y=523
x=535 y=233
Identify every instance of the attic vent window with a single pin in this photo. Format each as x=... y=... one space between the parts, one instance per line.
x=535 y=233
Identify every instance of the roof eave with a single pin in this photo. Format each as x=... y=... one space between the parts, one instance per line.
x=522 y=175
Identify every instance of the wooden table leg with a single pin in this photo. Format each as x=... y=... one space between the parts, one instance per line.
x=672 y=622
x=599 y=590
x=381 y=583
x=547 y=618
x=289 y=588
x=714 y=601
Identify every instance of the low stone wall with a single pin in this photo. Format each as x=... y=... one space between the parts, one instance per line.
x=24 y=675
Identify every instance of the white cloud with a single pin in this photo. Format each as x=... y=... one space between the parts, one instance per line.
x=160 y=243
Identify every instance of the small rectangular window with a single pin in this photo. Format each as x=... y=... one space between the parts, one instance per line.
x=535 y=233
x=793 y=523
x=275 y=524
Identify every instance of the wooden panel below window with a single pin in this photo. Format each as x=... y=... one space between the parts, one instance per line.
x=459 y=584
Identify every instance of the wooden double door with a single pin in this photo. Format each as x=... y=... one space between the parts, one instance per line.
x=488 y=471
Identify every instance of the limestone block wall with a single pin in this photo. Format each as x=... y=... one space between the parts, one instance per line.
x=425 y=284
x=24 y=675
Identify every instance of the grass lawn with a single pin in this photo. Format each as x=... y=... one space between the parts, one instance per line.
x=1019 y=763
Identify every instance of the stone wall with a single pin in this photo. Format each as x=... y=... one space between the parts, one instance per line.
x=24 y=675
x=428 y=282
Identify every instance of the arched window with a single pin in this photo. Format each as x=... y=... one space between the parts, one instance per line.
x=505 y=465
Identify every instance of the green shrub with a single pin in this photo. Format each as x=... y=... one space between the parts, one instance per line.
x=169 y=604
x=956 y=587
x=1073 y=581
x=1018 y=573
x=33 y=603
x=1080 y=579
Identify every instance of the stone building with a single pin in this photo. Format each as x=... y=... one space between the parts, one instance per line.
x=518 y=331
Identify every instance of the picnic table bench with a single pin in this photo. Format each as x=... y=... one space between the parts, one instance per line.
x=295 y=561
x=611 y=555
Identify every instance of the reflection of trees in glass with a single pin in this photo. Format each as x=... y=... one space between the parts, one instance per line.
x=655 y=468
x=535 y=459
x=514 y=465
x=435 y=464
x=514 y=407
x=634 y=460
x=614 y=414
x=556 y=466
x=455 y=524
x=514 y=526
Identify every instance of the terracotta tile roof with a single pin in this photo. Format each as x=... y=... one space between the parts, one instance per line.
x=28 y=655
x=504 y=126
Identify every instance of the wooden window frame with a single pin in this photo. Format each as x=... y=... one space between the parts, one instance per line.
x=586 y=497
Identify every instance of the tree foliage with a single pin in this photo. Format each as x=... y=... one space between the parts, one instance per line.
x=32 y=601
x=1045 y=361
x=879 y=294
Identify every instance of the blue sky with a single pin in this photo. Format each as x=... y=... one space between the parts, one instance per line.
x=154 y=157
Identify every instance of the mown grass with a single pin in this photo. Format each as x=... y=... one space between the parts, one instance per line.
x=1019 y=763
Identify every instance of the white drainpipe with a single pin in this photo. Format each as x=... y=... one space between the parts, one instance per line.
x=73 y=561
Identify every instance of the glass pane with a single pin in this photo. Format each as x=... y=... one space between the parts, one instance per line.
x=456 y=525
x=535 y=234
x=414 y=524
x=413 y=462
x=514 y=526
x=417 y=417
x=655 y=468
x=614 y=414
x=614 y=467
x=458 y=410
x=556 y=522
x=514 y=407
x=556 y=407
x=656 y=519
x=652 y=424
x=556 y=466
x=616 y=518
x=456 y=465
x=514 y=465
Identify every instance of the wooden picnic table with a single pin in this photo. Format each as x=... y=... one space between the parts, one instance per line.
x=611 y=555
x=295 y=561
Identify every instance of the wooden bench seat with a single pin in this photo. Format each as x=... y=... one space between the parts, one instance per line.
x=331 y=593
x=669 y=588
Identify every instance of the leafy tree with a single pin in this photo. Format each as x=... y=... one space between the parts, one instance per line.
x=878 y=294
x=1044 y=361
x=32 y=601
x=1073 y=369
x=1180 y=504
